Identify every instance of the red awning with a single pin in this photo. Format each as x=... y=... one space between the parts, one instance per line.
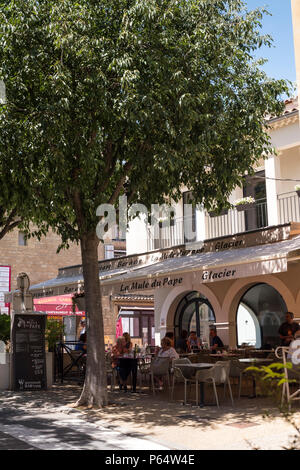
x=56 y=305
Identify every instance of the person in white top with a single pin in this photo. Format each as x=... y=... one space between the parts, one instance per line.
x=166 y=349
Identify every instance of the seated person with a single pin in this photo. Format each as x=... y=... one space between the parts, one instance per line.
x=123 y=366
x=128 y=343
x=170 y=335
x=81 y=346
x=288 y=329
x=215 y=340
x=193 y=342
x=167 y=350
x=181 y=342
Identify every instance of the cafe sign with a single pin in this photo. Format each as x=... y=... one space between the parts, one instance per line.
x=244 y=270
x=151 y=284
x=225 y=273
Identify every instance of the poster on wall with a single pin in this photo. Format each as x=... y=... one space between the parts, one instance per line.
x=28 y=348
x=5 y=286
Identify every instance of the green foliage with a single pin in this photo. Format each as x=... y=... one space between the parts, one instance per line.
x=157 y=93
x=271 y=377
x=4 y=327
x=54 y=332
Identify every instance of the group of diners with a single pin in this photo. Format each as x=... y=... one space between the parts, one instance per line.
x=125 y=363
x=188 y=343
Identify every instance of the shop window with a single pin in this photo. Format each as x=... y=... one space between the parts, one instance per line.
x=22 y=240
x=194 y=313
x=131 y=325
x=260 y=313
x=139 y=324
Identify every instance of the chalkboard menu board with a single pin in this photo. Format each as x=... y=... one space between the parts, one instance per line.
x=28 y=347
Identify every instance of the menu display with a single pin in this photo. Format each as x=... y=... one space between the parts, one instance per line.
x=29 y=358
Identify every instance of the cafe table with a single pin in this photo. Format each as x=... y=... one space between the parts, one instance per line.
x=131 y=362
x=197 y=366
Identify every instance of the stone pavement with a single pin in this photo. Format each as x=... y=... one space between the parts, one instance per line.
x=45 y=420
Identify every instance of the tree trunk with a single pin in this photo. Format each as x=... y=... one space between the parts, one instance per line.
x=95 y=385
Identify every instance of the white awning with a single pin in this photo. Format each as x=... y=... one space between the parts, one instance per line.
x=210 y=267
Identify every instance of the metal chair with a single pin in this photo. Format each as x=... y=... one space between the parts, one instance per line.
x=144 y=369
x=110 y=371
x=217 y=374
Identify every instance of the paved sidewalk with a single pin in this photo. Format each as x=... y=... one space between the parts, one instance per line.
x=45 y=420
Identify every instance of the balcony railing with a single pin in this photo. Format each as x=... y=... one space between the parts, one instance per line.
x=233 y=221
x=288 y=208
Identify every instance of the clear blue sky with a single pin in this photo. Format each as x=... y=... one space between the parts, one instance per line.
x=281 y=56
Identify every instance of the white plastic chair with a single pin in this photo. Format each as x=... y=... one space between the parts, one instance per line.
x=160 y=367
x=182 y=375
x=217 y=374
x=236 y=370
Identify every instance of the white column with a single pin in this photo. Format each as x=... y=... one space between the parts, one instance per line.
x=200 y=223
x=272 y=171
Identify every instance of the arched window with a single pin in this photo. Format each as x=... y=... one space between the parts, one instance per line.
x=194 y=313
x=260 y=313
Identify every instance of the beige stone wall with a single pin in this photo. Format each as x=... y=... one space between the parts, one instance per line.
x=39 y=258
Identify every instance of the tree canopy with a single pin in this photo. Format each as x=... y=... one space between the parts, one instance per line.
x=129 y=96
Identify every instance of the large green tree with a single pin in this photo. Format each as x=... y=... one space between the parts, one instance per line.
x=141 y=96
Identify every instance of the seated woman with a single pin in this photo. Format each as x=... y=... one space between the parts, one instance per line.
x=167 y=350
x=170 y=335
x=128 y=343
x=193 y=342
x=123 y=366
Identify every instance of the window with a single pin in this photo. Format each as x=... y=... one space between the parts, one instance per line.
x=131 y=325
x=260 y=313
x=194 y=313
x=22 y=239
x=109 y=251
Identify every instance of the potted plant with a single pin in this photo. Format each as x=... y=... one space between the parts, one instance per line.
x=166 y=219
x=217 y=213
x=244 y=203
x=54 y=333
x=78 y=300
x=297 y=189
